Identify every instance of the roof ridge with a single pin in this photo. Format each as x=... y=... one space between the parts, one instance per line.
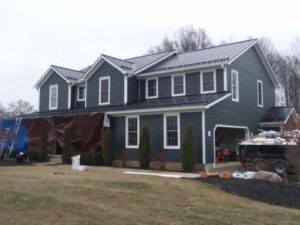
x=149 y=55
x=117 y=58
x=216 y=46
x=68 y=68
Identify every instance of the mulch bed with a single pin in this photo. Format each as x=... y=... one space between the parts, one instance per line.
x=271 y=193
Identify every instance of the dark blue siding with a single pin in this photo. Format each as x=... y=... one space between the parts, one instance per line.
x=116 y=86
x=220 y=80
x=192 y=81
x=62 y=93
x=118 y=135
x=245 y=112
x=164 y=87
x=132 y=89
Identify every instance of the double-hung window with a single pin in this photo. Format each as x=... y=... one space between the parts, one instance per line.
x=260 y=94
x=235 y=86
x=104 y=90
x=208 y=82
x=132 y=132
x=152 y=88
x=178 y=85
x=80 y=93
x=53 y=97
x=171 y=131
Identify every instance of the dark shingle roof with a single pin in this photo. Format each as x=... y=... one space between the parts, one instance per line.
x=277 y=114
x=69 y=74
x=191 y=100
x=212 y=55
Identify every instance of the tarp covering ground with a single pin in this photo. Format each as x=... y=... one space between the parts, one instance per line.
x=85 y=130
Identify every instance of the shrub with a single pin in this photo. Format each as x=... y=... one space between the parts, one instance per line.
x=38 y=155
x=160 y=158
x=106 y=148
x=91 y=159
x=188 y=150
x=44 y=142
x=144 y=149
x=66 y=157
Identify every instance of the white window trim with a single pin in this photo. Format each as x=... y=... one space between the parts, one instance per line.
x=100 y=80
x=165 y=131
x=147 y=96
x=138 y=132
x=80 y=99
x=262 y=93
x=180 y=94
x=201 y=82
x=53 y=108
x=237 y=99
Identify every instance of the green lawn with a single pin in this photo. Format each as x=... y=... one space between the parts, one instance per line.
x=34 y=195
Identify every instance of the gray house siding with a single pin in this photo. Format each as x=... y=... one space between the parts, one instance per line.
x=245 y=112
x=220 y=80
x=156 y=129
x=62 y=93
x=74 y=103
x=116 y=86
x=192 y=82
x=132 y=89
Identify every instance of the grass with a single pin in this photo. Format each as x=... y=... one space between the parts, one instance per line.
x=34 y=195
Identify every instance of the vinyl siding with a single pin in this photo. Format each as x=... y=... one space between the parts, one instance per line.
x=245 y=112
x=155 y=126
x=116 y=86
x=62 y=93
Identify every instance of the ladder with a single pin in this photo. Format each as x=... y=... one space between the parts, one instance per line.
x=14 y=135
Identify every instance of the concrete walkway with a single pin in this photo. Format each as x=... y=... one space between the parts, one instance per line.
x=161 y=173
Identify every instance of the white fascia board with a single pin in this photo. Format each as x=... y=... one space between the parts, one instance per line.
x=242 y=52
x=157 y=110
x=217 y=101
x=184 y=69
x=271 y=124
x=46 y=75
x=97 y=64
x=154 y=63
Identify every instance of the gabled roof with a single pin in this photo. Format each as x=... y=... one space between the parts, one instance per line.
x=278 y=115
x=211 y=56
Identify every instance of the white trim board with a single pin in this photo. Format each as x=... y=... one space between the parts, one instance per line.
x=46 y=75
x=247 y=133
x=214 y=79
x=77 y=91
x=178 y=131
x=172 y=85
x=51 y=86
x=146 y=89
x=99 y=94
x=138 y=131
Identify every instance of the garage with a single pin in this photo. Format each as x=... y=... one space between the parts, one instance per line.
x=226 y=139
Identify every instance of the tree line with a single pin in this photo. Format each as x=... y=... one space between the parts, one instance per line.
x=16 y=108
x=285 y=64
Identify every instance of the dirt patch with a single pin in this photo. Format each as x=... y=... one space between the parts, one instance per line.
x=271 y=193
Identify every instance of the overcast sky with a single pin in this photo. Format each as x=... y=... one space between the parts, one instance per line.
x=36 y=34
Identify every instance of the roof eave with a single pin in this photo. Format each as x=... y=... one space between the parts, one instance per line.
x=45 y=76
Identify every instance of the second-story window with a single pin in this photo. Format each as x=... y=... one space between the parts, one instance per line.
x=235 y=86
x=178 y=85
x=104 y=90
x=208 y=82
x=53 y=97
x=80 y=93
x=152 y=88
x=260 y=94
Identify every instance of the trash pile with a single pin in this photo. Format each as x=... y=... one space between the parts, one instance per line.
x=273 y=138
x=246 y=175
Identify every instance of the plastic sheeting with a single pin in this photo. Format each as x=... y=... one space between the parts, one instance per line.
x=20 y=141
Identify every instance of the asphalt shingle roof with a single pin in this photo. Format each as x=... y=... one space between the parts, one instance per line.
x=191 y=100
x=277 y=114
x=216 y=54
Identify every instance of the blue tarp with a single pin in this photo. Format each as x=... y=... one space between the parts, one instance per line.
x=21 y=139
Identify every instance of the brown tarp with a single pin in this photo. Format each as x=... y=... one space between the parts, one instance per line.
x=85 y=130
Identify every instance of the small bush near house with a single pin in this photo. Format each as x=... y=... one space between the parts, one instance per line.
x=188 y=150
x=91 y=159
x=161 y=159
x=144 y=149
x=66 y=157
x=67 y=149
x=38 y=155
x=124 y=157
x=106 y=148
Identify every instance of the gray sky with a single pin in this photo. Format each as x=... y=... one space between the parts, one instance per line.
x=37 y=33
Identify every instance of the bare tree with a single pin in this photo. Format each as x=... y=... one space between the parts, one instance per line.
x=186 y=38
x=3 y=111
x=20 y=107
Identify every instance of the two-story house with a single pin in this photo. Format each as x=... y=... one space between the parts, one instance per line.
x=223 y=91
